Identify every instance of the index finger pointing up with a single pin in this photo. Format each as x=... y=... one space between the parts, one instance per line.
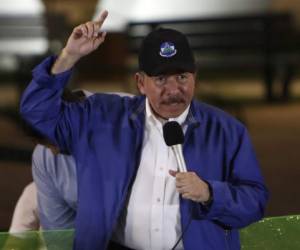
x=101 y=18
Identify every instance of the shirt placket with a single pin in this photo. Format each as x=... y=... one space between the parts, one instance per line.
x=158 y=191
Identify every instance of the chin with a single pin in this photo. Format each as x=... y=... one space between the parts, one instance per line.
x=173 y=114
x=167 y=111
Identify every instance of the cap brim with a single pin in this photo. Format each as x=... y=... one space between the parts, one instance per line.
x=172 y=67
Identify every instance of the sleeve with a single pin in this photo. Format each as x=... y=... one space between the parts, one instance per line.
x=25 y=216
x=42 y=107
x=241 y=199
x=54 y=212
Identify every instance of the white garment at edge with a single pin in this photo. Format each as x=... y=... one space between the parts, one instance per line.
x=25 y=216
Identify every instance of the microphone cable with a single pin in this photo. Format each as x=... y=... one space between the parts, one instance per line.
x=183 y=232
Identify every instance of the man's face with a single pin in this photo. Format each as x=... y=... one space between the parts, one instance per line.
x=168 y=95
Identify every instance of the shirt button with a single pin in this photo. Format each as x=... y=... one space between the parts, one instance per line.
x=161 y=168
x=158 y=199
x=156 y=229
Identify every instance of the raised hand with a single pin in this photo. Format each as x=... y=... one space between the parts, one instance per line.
x=84 y=39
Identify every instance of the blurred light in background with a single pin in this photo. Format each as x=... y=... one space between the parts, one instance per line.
x=17 y=7
x=22 y=27
x=121 y=12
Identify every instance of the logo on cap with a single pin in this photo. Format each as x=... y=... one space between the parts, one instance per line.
x=167 y=49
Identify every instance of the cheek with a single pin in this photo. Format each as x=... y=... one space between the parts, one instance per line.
x=189 y=91
x=155 y=101
x=141 y=89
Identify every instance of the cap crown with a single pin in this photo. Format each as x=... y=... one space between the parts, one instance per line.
x=166 y=51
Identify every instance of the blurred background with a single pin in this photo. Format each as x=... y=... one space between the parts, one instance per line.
x=248 y=58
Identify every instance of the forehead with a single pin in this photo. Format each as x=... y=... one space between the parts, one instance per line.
x=172 y=71
x=167 y=74
x=185 y=80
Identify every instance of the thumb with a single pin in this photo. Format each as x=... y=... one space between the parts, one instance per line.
x=173 y=173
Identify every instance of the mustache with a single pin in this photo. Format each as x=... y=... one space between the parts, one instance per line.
x=173 y=99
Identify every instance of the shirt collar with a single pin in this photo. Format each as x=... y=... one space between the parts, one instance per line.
x=151 y=117
x=138 y=113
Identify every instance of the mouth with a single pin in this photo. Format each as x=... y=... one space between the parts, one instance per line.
x=174 y=101
x=174 y=105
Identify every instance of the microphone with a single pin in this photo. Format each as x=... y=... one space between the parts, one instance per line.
x=174 y=138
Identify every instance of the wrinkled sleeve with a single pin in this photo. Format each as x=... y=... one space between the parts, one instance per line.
x=241 y=199
x=42 y=107
x=54 y=212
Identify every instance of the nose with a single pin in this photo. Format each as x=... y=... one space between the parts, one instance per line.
x=172 y=86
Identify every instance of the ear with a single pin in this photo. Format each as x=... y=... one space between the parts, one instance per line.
x=140 y=82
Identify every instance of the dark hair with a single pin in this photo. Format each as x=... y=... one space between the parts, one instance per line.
x=73 y=96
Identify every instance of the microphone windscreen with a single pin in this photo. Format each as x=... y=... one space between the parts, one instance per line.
x=173 y=134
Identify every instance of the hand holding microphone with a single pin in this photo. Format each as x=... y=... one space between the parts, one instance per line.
x=188 y=184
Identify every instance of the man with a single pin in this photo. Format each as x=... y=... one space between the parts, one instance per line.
x=129 y=189
x=50 y=201
x=54 y=176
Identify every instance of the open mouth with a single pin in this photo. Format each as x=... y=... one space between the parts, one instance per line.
x=174 y=105
x=174 y=101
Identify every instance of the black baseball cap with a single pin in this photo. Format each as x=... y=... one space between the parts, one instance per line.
x=166 y=51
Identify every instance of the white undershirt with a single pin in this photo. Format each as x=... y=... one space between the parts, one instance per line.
x=152 y=218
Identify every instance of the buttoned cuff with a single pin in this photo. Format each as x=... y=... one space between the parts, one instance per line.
x=207 y=204
x=215 y=207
